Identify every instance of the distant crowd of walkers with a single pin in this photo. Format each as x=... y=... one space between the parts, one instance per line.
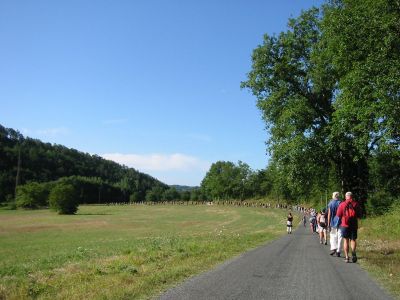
x=340 y=220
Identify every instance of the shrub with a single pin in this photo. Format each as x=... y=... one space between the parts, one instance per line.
x=151 y=196
x=155 y=194
x=32 y=195
x=63 y=199
x=170 y=195
x=136 y=197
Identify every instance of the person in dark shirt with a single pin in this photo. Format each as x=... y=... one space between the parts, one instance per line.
x=289 y=223
x=321 y=221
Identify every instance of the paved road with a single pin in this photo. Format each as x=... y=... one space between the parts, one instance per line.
x=293 y=267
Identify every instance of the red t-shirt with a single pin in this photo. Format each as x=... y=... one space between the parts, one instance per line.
x=340 y=211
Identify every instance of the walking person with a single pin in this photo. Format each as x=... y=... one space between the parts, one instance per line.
x=312 y=220
x=335 y=235
x=349 y=211
x=321 y=222
x=304 y=220
x=289 y=223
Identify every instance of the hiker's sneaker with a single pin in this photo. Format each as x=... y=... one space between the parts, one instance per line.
x=338 y=254
x=354 y=258
x=332 y=252
x=326 y=243
x=320 y=242
x=347 y=260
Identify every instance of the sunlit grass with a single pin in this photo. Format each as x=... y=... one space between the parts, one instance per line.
x=123 y=251
x=379 y=249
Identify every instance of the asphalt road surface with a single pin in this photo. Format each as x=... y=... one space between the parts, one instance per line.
x=293 y=267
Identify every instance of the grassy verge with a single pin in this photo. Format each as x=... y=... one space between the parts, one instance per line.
x=379 y=249
x=122 y=252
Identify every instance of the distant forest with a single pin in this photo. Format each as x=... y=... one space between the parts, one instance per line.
x=25 y=160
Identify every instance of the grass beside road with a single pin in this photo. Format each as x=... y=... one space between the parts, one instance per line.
x=379 y=249
x=123 y=251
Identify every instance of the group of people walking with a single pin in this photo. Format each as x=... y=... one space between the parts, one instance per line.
x=340 y=220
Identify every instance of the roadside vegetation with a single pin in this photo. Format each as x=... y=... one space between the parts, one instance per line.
x=379 y=248
x=119 y=252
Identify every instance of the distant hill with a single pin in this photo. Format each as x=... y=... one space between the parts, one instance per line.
x=43 y=162
x=183 y=188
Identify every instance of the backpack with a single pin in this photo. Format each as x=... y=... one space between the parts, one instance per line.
x=312 y=219
x=322 y=221
x=350 y=215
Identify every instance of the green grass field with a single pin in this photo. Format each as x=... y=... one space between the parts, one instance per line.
x=379 y=249
x=122 y=252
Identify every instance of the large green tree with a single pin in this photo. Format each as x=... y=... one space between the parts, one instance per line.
x=328 y=89
x=225 y=180
x=295 y=88
x=362 y=41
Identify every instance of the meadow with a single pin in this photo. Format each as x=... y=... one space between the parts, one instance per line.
x=123 y=252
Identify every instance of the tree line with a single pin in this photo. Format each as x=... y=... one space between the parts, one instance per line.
x=31 y=169
x=67 y=193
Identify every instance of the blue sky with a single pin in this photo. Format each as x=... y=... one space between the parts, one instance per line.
x=154 y=85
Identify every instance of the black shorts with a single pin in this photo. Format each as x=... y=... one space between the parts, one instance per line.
x=349 y=233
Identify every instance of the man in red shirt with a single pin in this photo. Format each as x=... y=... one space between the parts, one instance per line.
x=348 y=212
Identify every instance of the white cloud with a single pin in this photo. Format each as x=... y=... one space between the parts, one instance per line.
x=159 y=162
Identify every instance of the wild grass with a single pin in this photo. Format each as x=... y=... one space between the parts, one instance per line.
x=379 y=248
x=122 y=252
